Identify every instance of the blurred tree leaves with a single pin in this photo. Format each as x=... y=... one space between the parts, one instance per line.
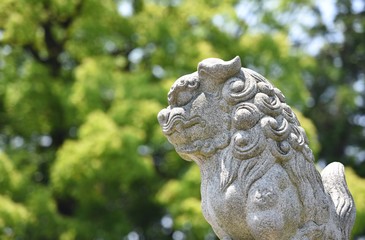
x=81 y=83
x=357 y=185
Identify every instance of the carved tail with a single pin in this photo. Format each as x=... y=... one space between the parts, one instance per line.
x=333 y=177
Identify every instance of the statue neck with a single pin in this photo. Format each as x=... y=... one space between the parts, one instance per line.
x=210 y=166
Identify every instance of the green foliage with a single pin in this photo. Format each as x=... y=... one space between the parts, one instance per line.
x=94 y=166
x=310 y=130
x=336 y=84
x=81 y=83
x=94 y=85
x=183 y=200
x=44 y=210
x=10 y=178
x=357 y=188
x=39 y=115
x=14 y=219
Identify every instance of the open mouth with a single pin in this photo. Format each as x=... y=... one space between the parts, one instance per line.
x=179 y=122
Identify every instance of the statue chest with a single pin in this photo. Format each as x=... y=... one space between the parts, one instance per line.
x=225 y=210
x=255 y=213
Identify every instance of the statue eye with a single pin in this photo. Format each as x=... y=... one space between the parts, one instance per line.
x=182 y=92
x=193 y=84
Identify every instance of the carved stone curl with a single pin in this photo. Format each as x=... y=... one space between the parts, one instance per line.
x=258 y=176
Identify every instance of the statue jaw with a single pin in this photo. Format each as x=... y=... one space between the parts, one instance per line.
x=191 y=136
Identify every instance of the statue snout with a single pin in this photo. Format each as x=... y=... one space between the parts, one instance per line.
x=163 y=116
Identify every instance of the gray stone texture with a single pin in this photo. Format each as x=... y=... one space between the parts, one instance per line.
x=258 y=178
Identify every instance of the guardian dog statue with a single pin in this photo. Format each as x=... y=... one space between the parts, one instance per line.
x=258 y=178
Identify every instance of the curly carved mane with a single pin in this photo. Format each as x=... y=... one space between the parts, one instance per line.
x=263 y=122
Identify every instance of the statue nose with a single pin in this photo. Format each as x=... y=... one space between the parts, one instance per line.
x=163 y=116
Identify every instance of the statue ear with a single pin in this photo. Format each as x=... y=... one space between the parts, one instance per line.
x=218 y=70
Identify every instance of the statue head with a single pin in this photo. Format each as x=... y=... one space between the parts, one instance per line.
x=224 y=105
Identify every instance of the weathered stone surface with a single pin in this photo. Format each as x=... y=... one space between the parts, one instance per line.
x=258 y=179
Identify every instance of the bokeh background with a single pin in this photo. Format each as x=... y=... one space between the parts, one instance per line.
x=81 y=83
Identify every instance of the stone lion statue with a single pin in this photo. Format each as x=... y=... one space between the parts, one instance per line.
x=258 y=179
